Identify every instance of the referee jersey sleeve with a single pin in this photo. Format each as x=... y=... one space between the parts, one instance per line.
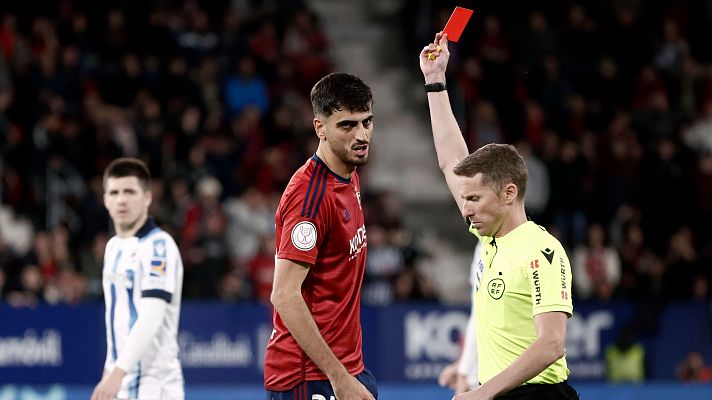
x=549 y=276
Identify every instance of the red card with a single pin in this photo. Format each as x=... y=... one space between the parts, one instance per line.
x=456 y=24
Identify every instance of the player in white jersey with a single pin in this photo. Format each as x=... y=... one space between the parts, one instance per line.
x=142 y=280
x=461 y=374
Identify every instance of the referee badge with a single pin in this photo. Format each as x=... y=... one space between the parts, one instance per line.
x=495 y=288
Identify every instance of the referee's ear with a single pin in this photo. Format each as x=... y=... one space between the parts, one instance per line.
x=510 y=192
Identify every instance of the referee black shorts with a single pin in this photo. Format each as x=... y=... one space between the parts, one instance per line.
x=551 y=391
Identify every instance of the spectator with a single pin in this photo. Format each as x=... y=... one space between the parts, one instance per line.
x=625 y=359
x=383 y=264
x=16 y=232
x=211 y=253
x=91 y=263
x=412 y=285
x=249 y=220
x=245 y=88
x=30 y=292
x=596 y=267
x=693 y=369
x=673 y=49
x=701 y=288
x=233 y=287
x=261 y=270
x=567 y=193
x=485 y=124
x=306 y=44
x=698 y=136
x=682 y=260
x=538 y=190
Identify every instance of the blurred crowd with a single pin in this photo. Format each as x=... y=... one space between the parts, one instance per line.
x=213 y=95
x=611 y=104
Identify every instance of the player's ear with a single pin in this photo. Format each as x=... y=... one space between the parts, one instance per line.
x=319 y=128
x=148 y=197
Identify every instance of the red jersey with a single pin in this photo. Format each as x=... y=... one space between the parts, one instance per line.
x=320 y=222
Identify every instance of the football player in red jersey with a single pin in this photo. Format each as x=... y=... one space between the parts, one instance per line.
x=315 y=348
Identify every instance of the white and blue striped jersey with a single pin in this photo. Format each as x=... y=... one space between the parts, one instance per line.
x=145 y=265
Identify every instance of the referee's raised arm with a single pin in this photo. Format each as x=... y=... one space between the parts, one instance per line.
x=449 y=143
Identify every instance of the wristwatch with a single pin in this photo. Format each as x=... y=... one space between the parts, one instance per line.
x=435 y=87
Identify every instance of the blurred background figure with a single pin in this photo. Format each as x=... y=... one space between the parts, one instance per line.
x=596 y=267
x=693 y=369
x=625 y=359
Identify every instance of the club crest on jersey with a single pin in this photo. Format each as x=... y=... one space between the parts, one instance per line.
x=358 y=197
x=304 y=236
x=159 y=248
x=478 y=274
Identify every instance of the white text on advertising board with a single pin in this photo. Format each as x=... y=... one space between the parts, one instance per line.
x=583 y=344
x=217 y=352
x=431 y=341
x=31 y=350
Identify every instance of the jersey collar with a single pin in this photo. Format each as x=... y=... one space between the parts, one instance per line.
x=146 y=228
x=337 y=176
x=518 y=232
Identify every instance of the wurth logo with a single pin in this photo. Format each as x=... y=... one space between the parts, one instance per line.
x=534 y=264
x=358 y=242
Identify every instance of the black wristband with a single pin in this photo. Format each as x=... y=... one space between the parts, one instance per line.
x=435 y=87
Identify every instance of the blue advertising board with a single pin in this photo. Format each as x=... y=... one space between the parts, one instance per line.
x=222 y=343
x=51 y=344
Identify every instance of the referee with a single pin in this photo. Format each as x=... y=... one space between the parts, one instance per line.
x=523 y=280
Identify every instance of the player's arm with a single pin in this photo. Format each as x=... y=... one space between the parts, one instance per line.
x=449 y=143
x=151 y=311
x=548 y=347
x=457 y=374
x=289 y=303
x=467 y=367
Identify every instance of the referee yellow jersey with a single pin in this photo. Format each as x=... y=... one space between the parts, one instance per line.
x=521 y=274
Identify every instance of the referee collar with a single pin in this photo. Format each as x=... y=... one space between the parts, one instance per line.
x=146 y=228
x=516 y=232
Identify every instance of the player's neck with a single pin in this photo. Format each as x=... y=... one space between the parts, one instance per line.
x=127 y=232
x=334 y=163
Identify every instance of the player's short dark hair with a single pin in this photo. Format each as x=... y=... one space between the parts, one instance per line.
x=499 y=165
x=338 y=91
x=128 y=166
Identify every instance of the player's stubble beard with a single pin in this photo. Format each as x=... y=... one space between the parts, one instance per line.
x=344 y=155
